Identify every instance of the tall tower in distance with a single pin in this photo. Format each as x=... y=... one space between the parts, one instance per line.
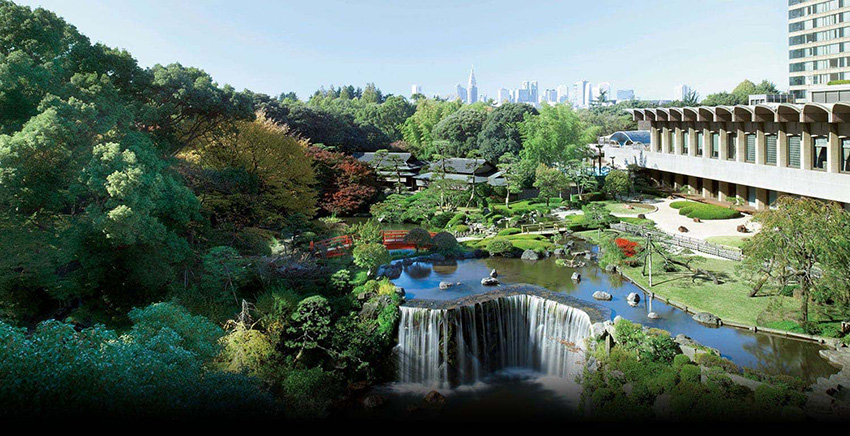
x=472 y=87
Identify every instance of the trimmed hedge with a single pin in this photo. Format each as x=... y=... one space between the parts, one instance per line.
x=509 y=231
x=703 y=211
x=499 y=246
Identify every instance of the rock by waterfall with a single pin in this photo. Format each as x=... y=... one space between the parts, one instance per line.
x=602 y=295
x=633 y=299
x=494 y=273
x=441 y=348
x=489 y=281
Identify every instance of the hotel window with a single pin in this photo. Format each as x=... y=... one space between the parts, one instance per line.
x=771 y=149
x=751 y=147
x=845 y=155
x=674 y=142
x=819 y=146
x=700 y=141
x=794 y=151
x=732 y=147
x=686 y=136
x=715 y=145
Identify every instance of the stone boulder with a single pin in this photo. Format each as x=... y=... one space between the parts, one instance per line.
x=706 y=318
x=653 y=315
x=445 y=285
x=374 y=401
x=683 y=229
x=494 y=273
x=602 y=295
x=641 y=216
x=559 y=252
x=489 y=281
x=530 y=255
x=391 y=271
x=400 y=292
x=610 y=268
x=697 y=220
x=633 y=299
x=435 y=398
x=576 y=277
x=742 y=229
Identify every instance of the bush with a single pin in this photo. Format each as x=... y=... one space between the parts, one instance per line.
x=442 y=220
x=714 y=361
x=681 y=360
x=498 y=246
x=459 y=218
x=444 y=243
x=704 y=211
x=494 y=218
x=419 y=237
x=460 y=228
x=689 y=373
x=509 y=231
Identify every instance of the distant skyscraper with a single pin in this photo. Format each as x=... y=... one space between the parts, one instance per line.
x=415 y=89
x=472 y=89
x=550 y=96
x=582 y=94
x=625 y=94
x=563 y=93
x=680 y=92
x=461 y=93
x=502 y=96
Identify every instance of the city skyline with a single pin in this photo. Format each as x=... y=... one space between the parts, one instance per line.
x=274 y=48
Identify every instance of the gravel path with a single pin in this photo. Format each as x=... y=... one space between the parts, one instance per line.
x=668 y=219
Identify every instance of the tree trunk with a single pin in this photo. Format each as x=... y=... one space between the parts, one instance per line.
x=804 y=297
x=758 y=285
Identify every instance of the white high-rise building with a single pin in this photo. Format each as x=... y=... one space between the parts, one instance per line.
x=816 y=49
x=461 y=92
x=603 y=88
x=472 y=88
x=563 y=93
x=503 y=96
x=582 y=94
x=550 y=96
x=415 y=89
x=680 y=92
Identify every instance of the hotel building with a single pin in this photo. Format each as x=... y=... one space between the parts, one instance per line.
x=819 y=43
x=746 y=155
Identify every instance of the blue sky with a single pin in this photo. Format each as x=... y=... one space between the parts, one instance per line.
x=645 y=45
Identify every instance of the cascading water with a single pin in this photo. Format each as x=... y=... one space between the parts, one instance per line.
x=442 y=348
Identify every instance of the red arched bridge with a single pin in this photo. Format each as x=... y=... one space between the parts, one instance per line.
x=341 y=245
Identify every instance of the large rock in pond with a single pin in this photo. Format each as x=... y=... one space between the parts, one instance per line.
x=576 y=277
x=391 y=271
x=435 y=398
x=633 y=299
x=494 y=273
x=445 y=285
x=610 y=268
x=489 y=281
x=653 y=315
x=706 y=318
x=530 y=255
x=374 y=401
x=559 y=252
x=602 y=295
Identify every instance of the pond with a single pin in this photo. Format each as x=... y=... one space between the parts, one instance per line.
x=760 y=351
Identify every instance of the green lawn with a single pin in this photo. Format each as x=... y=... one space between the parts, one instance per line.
x=728 y=300
x=538 y=243
x=620 y=208
x=732 y=241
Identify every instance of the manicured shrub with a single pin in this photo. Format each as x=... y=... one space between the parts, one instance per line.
x=498 y=246
x=440 y=221
x=444 y=243
x=714 y=361
x=419 y=237
x=704 y=211
x=460 y=228
x=494 y=218
x=458 y=218
x=509 y=231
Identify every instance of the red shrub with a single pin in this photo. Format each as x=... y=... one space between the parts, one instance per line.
x=628 y=248
x=346 y=184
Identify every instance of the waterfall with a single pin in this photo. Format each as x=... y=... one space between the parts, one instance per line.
x=441 y=348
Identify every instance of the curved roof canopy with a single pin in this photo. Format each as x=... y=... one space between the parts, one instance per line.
x=630 y=137
x=784 y=112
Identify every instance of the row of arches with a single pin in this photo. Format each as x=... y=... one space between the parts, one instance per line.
x=782 y=113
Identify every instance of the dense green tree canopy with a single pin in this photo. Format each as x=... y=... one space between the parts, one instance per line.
x=500 y=133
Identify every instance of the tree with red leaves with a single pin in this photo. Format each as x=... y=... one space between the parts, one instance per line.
x=628 y=248
x=346 y=185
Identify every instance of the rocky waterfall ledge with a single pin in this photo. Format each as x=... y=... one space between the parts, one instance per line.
x=443 y=344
